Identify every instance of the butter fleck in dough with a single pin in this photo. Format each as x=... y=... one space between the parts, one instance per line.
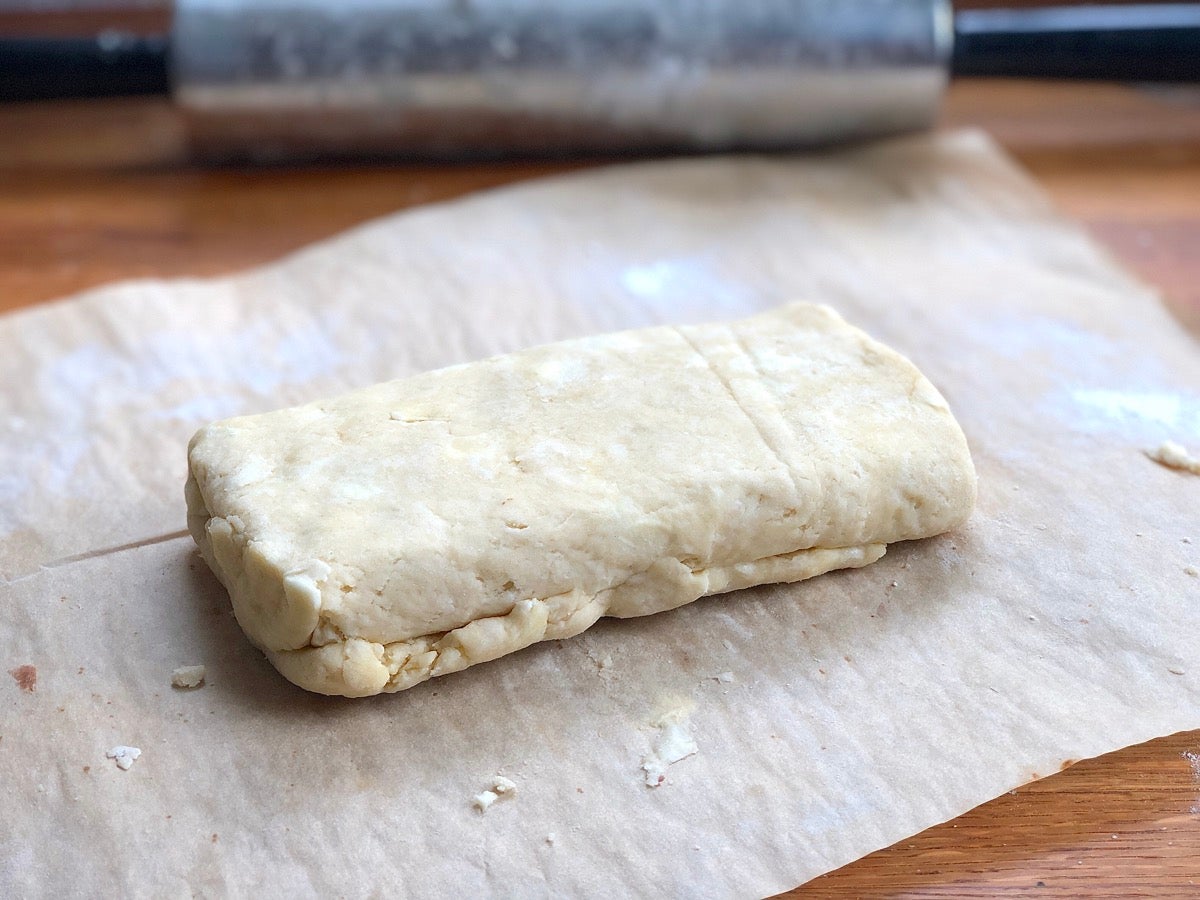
x=415 y=528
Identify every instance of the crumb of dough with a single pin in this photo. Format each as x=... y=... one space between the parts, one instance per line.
x=501 y=787
x=188 y=677
x=484 y=800
x=124 y=757
x=672 y=743
x=550 y=839
x=1175 y=670
x=25 y=677
x=724 y=677
x=1175 y=456
x=1191 y=570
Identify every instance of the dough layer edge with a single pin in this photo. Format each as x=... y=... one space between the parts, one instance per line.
x=354 y=667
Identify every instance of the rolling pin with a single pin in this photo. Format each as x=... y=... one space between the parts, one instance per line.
x=288 y=79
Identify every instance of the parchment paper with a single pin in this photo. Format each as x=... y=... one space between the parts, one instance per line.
x=865 y=705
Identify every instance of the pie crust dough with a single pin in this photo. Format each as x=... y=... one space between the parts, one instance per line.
x=415 y=528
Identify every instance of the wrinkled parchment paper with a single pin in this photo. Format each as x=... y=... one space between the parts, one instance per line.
x=864 y=705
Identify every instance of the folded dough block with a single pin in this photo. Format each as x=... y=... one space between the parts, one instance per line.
x=417 y=527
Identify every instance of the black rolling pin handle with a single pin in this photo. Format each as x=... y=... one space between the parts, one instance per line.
x=110 y=64
x=1134 y=42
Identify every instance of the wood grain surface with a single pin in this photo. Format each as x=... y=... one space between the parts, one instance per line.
x=93 y=192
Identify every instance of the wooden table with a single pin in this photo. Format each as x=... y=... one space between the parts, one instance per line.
x=90 y=193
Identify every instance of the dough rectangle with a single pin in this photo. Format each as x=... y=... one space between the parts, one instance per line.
x=420 y=526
